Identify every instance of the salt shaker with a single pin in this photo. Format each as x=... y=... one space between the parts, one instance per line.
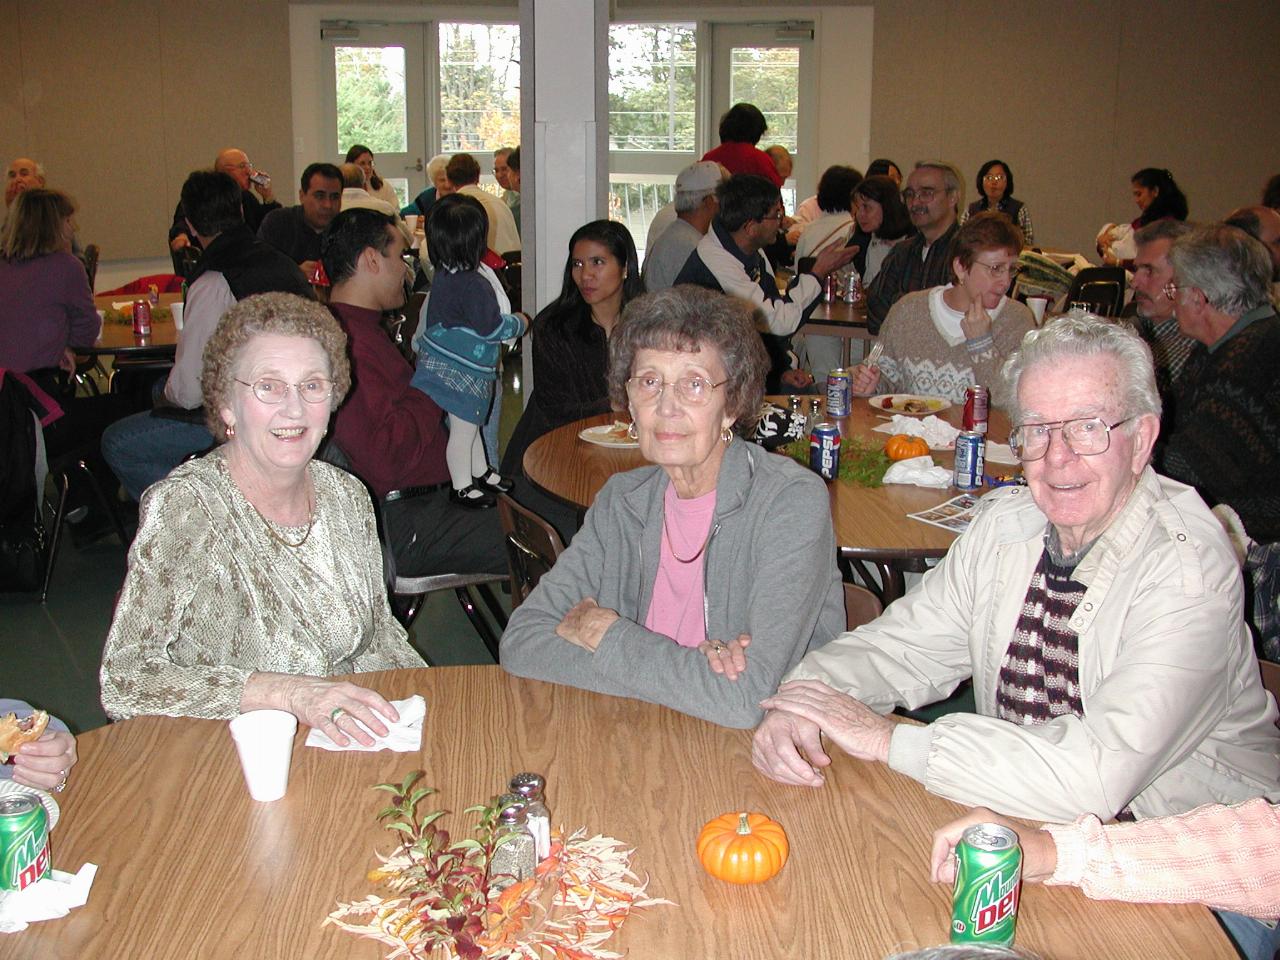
x=532 y=789
x=513 y=857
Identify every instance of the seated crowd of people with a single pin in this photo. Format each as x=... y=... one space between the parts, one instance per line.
x=1110 y=626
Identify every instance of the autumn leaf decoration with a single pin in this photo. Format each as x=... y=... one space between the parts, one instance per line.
x=434 y=903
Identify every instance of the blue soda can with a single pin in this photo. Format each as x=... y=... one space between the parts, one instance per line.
x=824 y=450
x=839 y=392
x=970 y=460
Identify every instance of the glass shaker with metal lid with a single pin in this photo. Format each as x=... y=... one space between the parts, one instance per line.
x=513 y=857
x=531 y=787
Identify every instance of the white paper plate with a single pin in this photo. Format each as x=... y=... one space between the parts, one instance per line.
x=8 y=788
x=895 y=402
x=609 y=435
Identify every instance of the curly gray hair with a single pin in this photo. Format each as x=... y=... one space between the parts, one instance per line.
x=689 y=319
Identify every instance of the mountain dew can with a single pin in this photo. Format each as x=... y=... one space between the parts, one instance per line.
x=24 y=841
x=984 y=905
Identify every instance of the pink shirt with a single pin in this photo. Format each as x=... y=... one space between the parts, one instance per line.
x=1225 y=857
x=676 y=608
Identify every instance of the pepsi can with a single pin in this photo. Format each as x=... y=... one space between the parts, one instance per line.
x=970 y=460
x=839 y=392
x=824 y=450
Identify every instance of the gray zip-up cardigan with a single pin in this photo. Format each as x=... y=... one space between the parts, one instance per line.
x=769 y=571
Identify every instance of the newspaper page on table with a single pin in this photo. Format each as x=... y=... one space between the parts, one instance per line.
x=954 y=515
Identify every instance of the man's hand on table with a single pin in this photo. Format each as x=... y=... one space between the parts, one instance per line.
x=851 y=725
x=341 y=709
x=798 y=379
x=586 y=623
x=1039 y=852
x=44 y=763
x=781 y=745
x=727 y=659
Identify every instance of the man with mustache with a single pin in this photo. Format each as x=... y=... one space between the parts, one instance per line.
x=933 y=196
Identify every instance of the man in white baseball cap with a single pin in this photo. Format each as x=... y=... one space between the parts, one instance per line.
x=695 y=206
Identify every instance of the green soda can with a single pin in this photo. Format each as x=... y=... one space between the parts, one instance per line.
x=984 y=905
x=24 y=841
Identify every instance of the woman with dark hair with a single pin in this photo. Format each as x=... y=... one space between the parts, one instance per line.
x=1158 y=198
x=885 y=168
x=834 y=223
x=681 y=588
x=995 y=188
x=570 y=336
x=881 y=221
x=362 y=157
x=1271 y=193
x=741 y=128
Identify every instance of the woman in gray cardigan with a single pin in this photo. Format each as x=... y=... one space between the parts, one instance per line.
x=699 y=582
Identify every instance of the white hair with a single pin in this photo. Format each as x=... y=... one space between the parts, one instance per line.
x=436 y=165
x=1089 y=336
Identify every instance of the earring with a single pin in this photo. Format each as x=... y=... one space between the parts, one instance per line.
x=632 y=432
x=727 y=436
x=230 y=431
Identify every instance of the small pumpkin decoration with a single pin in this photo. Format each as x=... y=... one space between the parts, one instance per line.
x=901 y=446
x=742 y=847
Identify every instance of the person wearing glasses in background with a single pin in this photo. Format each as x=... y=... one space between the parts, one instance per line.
x=699 y=581
x=1098 y=610
x=995 y=192
x=237 y=165
x=939 y=342
x=256 y=574
x=933 y=195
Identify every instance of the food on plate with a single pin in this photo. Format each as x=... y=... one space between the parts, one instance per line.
x=618 y=432
x=14 y=732
x=902 y=446
x=742 y=847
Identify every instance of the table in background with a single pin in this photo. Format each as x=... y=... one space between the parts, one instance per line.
x=190 y=867
x=871 y=524
x=119 y=338
x=836 y=318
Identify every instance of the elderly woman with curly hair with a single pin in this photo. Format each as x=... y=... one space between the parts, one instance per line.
x=256 y=574
x=681 y=565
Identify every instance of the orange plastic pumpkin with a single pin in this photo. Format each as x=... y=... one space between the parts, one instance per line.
x=742 y=847
x=903 y=447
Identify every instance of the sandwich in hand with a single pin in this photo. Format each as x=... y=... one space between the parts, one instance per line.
x=14 y=732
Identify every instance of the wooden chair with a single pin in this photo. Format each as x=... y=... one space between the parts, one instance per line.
x=1102 y=288
x=860 y=606
x=532 y=547
x=91 y=255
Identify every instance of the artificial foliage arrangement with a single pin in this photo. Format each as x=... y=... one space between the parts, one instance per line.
x=862 y=464
x=434 y=900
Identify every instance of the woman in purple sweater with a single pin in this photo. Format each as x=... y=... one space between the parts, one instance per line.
x=46 y=310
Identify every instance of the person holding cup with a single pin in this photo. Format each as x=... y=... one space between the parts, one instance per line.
x=938 y=342
x=256 y=574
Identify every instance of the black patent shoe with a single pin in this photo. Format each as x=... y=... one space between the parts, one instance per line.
x=474 y=496
x=493 y=481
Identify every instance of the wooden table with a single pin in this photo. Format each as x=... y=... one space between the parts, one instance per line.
x=119 y=338
x=869 y=523
x=190 y=867
x=839 y=319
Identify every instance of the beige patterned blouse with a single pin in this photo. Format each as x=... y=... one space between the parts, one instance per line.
x=211 y=596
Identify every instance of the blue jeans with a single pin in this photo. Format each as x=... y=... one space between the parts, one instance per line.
x=1254 y=939
x=142 y=449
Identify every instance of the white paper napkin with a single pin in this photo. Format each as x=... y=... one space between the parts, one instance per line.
x=1000 y=453
x=939 y=434
x=918 y=471
x=54 y=896
x=404 y=736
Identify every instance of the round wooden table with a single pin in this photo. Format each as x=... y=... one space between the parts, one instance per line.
x=190 y=867
x=119 y=338
x=870 y=523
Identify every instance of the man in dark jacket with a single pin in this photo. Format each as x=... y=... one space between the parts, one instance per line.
x=235 y=163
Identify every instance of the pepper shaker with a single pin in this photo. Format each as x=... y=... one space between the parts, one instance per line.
x=531 y=787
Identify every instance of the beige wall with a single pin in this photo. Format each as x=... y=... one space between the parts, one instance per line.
x=121 y=100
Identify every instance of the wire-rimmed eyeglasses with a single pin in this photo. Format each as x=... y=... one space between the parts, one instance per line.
x=1085 y=437
x=694 y=391
x=272 y=391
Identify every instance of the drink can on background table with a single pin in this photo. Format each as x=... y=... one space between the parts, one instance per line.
x=976 y=401
x=141 y=318
x=970 y=460
x=853 y=287
x=829 y=288
x=24 y=841
x=824 y=450
x=839 y=392
x=153 y=294
x=984 y=904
